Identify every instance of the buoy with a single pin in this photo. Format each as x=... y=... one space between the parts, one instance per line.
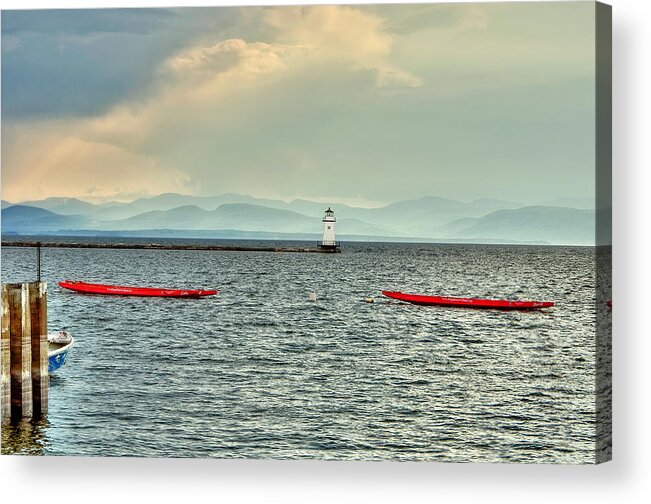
x=369 y=300
x=312 y=296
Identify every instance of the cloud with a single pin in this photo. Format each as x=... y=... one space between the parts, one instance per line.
x=342 y=33
x=120 y=150
x=203 y=77
x=315 y=35
x=306 y=101
x=474 y=48
x=230 y=65
x=71 y=63
x=432 y=17
x=192 y=85
x=53 y=158
x=335 y=30
x=81 y=22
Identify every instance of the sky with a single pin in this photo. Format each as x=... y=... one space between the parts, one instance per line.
x=364 y=104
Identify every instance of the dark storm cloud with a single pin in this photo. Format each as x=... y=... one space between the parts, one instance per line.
x=70 y=63
x=84 y=22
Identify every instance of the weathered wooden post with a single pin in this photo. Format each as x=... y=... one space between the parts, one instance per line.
x=20 y=334
x=25 y=378
x=38 y=316
x=5 y=356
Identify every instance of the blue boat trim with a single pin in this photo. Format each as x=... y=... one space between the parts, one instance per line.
x=58 y=356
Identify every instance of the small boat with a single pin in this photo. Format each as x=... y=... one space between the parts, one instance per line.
x=59 y=345
x=118 y=290
x=498 y=304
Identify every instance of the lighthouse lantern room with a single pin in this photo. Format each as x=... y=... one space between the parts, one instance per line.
x=329 y=240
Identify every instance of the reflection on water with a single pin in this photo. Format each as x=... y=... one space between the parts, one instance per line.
x=26 y=437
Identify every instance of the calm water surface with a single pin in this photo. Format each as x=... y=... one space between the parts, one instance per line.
x=259 y=371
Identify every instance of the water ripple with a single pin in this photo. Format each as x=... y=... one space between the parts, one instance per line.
x=260 y=371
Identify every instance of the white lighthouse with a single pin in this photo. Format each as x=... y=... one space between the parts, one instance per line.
x=329 y=240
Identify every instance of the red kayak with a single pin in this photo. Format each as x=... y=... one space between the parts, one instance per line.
x=117 y=290
x=499 y=304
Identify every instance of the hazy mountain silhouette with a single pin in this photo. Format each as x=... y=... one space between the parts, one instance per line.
x=580 y=203
x=236 y=216
x=63 y=206
x=31 y=220
x=429 y=218
x=534 y=223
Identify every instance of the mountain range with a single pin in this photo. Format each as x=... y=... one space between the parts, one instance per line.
x=564 y=221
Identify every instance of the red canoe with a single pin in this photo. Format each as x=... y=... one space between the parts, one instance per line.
x=88 y=288
x=499 y=304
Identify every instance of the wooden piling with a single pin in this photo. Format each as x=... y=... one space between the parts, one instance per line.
x=25 y=378
x=5 y=357
x=38 y=315
x=21 y=351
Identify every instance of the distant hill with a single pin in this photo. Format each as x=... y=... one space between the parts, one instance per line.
x=237 y=216
x=556 y=225
x=170 y=201
x=25 y=212
x=31 y=220
x=427 y=218
x=580 y=203
x=316 y=209
x=231 y=216
x=423 y=216
x=63 y=206
x=183 y=217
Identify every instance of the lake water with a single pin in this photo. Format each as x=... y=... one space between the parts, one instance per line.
x=259 y=371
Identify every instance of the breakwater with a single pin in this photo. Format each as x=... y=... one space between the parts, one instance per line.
x=161 y=246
